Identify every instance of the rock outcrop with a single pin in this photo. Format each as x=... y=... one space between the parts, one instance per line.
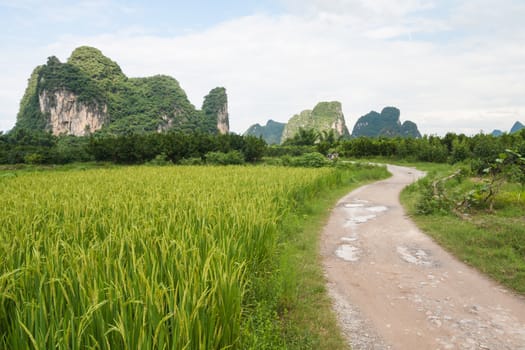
x=271 y=132
x=385 y=124
x=66 y=115
x=324 y=117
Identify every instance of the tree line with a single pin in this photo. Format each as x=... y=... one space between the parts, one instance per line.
x=33 y=147
x=24 y=146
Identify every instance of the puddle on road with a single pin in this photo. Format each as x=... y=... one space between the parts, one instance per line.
x=377 y=209
x=354 y=205
x=358 y=220
x=358 y=212
x=415 y=256
x=348 y=252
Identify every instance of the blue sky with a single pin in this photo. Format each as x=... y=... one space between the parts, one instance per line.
x=449 y=65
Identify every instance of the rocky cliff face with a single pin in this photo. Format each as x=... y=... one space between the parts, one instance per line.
x=66 y=115
x=325 y=116
x=223 y=122
x=385 y=124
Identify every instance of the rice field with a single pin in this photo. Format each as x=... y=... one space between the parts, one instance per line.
x=140 y=257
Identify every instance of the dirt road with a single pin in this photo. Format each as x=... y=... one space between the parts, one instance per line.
x=394 y=288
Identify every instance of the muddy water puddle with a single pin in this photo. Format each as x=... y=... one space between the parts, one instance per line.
x=348 y=252
x=416 y=256
x=357 y=211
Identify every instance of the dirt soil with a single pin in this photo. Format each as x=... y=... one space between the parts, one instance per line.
x=394 y=288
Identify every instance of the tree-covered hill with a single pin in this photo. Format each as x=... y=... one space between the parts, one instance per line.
x=90 y=93
x=271 y=132
x=385 y=124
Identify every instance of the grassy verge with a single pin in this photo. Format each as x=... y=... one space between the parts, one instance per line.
x=494 y=243
x=304 y=314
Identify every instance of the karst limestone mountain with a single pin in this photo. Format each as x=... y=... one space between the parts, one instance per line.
x=90 y=93
x=386 y=124
x=324 y=117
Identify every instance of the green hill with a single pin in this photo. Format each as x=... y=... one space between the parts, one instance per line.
x=90 y=93
x=271 y=132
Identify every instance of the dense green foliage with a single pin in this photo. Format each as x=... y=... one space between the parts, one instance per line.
x=152 y=257
x=21 y=146
x=29 y=116
x=151 y=104
x=384 y=124
x=271 y=132
x=303 y=137
x=133 y=104
x=97 y=66
x=452 y=148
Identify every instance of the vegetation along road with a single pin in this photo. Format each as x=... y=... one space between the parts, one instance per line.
x=394 y=288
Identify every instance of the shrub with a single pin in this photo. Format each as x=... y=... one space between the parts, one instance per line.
x=310 y=160
x=220 y=158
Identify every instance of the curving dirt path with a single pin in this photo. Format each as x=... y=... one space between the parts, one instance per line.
x=394 y=288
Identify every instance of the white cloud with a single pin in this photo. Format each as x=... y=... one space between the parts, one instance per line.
x=396 y=8
x=276 y=66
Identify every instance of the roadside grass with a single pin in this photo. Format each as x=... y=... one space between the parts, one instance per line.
x=305 y=319
x=312 y=312
x=494 y=243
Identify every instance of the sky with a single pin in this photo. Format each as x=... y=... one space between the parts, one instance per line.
x=448 y=65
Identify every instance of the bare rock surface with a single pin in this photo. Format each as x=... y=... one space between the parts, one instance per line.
x=69 y=116
x=394 y=288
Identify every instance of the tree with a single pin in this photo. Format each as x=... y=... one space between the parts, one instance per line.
x=303 y=137
x=253 y=148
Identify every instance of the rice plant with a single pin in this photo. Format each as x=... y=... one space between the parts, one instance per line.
x=139 y=257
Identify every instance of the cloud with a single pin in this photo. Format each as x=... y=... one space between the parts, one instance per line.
x=390 y=8
x=274 y=66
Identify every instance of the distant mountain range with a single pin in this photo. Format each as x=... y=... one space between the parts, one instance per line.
x=329 y=116
x=515 y=128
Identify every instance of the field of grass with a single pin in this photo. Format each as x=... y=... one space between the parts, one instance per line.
x=164 y=257
x=492 y=242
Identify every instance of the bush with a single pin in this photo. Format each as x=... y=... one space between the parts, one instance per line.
x=191 y=161
x=33 y=158
x=160 y=159
x=310 y=160
x=220 y=158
